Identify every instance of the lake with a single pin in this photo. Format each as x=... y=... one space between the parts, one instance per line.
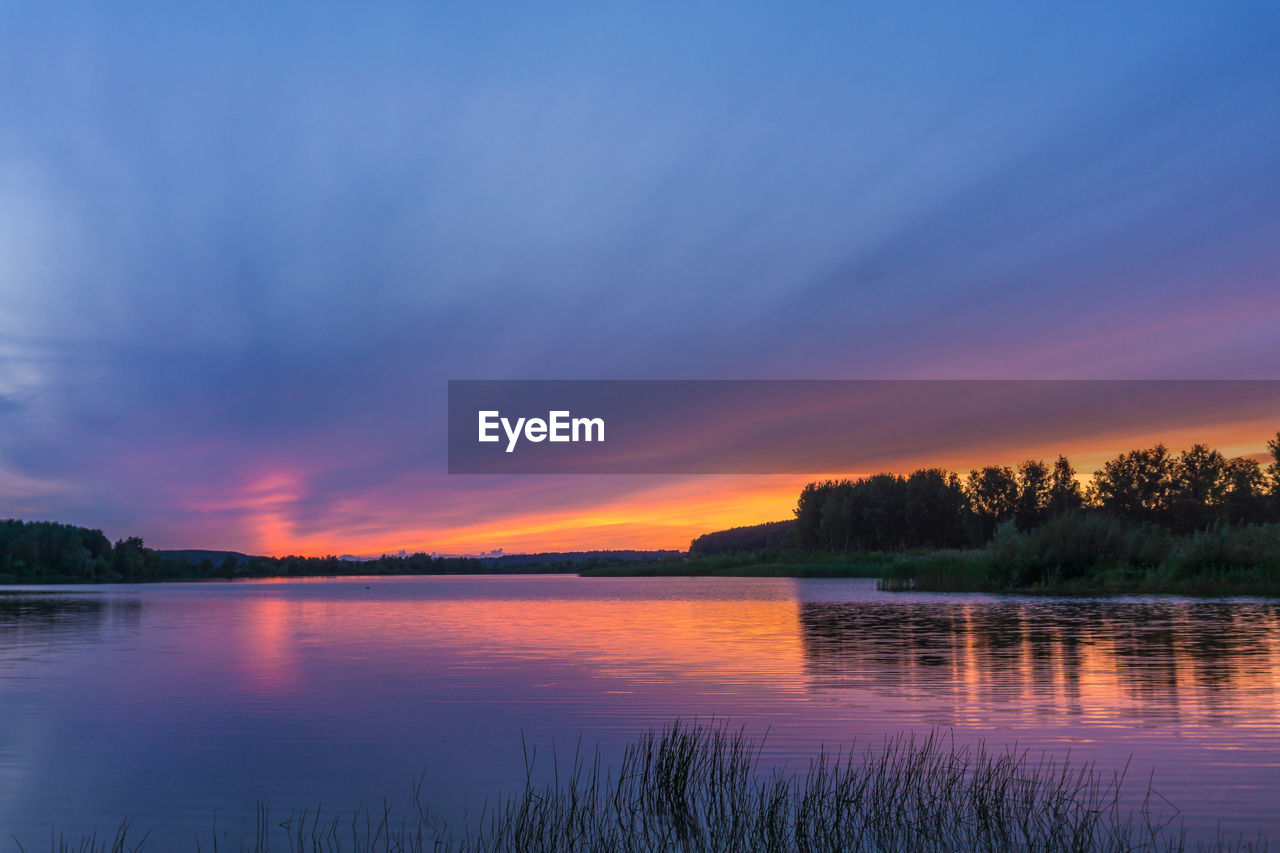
x=172 y=703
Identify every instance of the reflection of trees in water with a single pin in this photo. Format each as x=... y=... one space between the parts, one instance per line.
x=1076 y=653
x=32 y=621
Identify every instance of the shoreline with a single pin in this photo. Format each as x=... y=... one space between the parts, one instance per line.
x=889 y=584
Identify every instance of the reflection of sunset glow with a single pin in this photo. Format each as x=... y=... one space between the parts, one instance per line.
x=732 y=641
x=267 y=657
x=1121 y=663
x=456 y=669
x=1033 y=664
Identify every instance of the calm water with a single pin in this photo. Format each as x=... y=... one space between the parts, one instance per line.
x=170 y=703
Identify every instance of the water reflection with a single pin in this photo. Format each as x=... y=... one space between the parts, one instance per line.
x=35 y=622
x=1085 y=659
x=167 y=702
x=627 y=640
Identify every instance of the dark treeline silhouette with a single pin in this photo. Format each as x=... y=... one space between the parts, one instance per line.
x=770 y=536
x=46 y=551
x=935 y=508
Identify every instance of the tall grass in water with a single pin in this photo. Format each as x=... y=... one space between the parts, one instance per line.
x=701 y=788
x=1093 y=553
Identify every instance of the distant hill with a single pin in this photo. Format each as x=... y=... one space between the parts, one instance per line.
x=770 y=535
x=576 y=557
x=195 y=555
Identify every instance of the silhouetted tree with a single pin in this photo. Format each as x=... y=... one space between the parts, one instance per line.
x=879 y=504
x=1273 y=470
x=809 y=515
x=1032 y=503
x=1245 y=500
x=835 y=524
x=934 y=507
x=1199 y=488
x=993 y=496
x=128 y=558
x=1136 y=485
x=1065 y=494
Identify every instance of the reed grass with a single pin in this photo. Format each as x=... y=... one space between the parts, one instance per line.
x=693 y=788
x=1087 y=554
x=758 y=564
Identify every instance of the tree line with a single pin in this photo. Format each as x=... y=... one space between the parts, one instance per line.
x=47 y=551
x=934 y=508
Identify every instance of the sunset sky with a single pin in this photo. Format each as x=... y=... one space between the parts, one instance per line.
x=243 y=247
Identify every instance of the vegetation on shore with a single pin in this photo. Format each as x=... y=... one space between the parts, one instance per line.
x=1148 y=521
x=770 y=536
x=1093 y=553
x=1183 y=493
x=701 y=788
x=49 y=552
x=757 y=564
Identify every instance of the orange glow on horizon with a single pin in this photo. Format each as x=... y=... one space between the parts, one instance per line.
x=666 y=515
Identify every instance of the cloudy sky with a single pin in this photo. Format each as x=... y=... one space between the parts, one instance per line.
x=244 y=246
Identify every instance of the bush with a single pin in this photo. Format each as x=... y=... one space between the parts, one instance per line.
x=1092 y=552
x=1223 y=548
x=1075 y=545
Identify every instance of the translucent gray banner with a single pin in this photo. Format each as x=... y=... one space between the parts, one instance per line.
x=806 y=426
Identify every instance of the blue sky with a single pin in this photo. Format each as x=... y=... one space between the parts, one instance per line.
x=244 y=245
